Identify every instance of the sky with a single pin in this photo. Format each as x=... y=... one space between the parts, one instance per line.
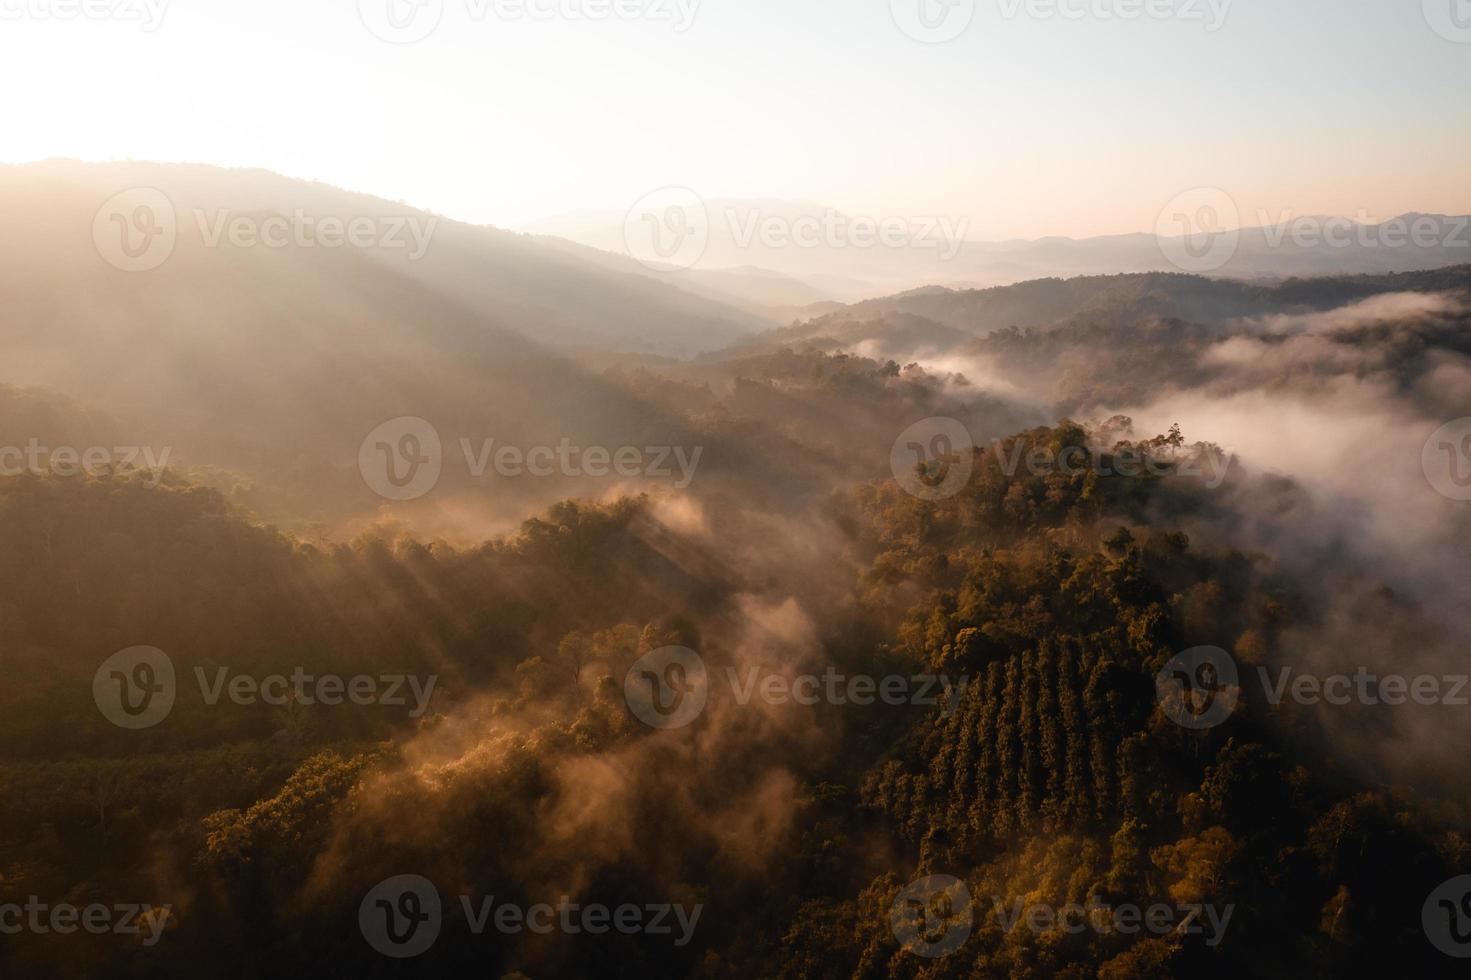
x=1032 y=120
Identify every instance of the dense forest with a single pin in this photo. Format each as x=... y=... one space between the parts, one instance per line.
x=1053 y=778
x=967 y=639
x=735 y=490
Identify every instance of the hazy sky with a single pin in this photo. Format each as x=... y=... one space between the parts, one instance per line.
x=1030 y=124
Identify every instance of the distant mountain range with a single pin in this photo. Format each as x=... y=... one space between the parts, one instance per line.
x=262 y=346
x=261 y=350
x=493 y=280
x=817 y=254
x=934 y=321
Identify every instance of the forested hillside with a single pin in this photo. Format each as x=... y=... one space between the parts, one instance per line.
x=1052 y=777
x=923 y=570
